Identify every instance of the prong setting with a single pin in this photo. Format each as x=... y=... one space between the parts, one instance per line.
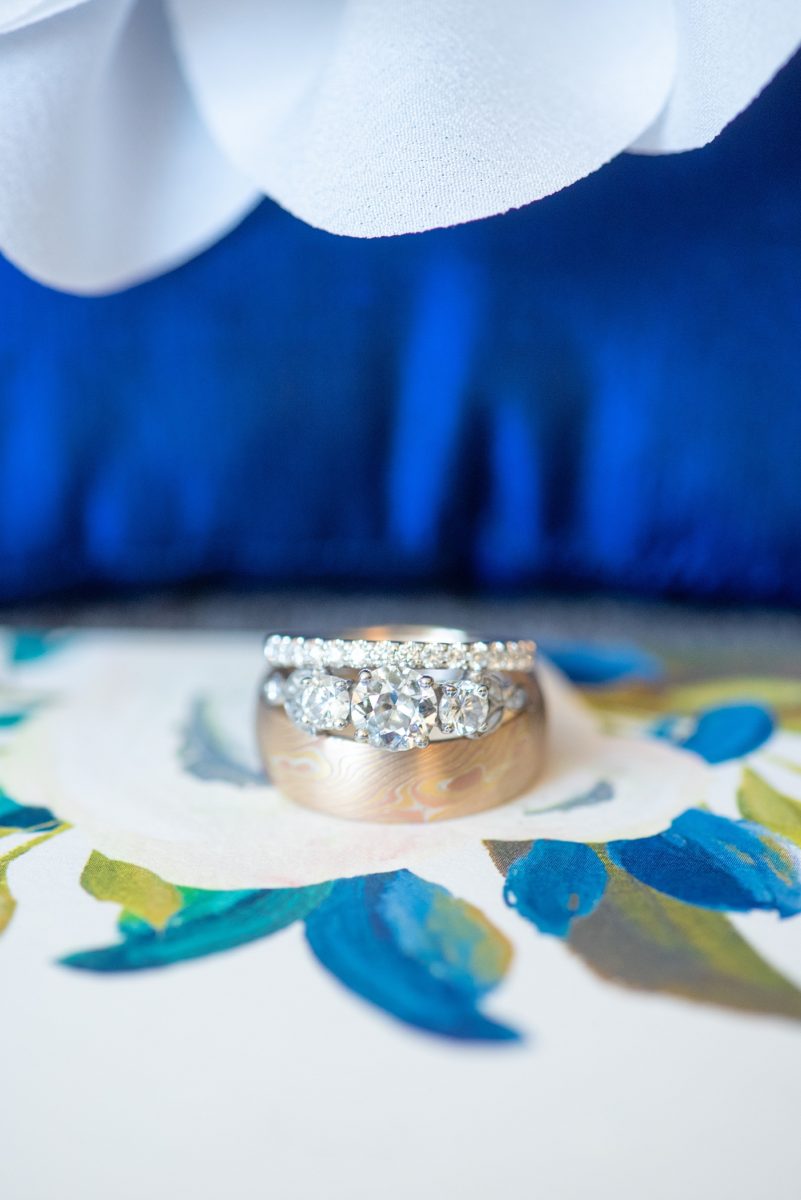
x=393 y=708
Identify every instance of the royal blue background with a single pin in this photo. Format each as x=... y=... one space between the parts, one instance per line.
x=600 y=390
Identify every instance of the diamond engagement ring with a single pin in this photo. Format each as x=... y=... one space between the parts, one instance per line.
x=464 y=718
x=397 y=694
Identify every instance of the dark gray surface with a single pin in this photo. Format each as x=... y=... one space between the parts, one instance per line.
x=753 y=638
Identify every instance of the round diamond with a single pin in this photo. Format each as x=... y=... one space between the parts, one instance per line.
x=395 y=709
x=497 y=655
x=273 y=688
x=438 y=655
x=356 y=654
x=472 y=707
x=412 y=655
x=455 y=655
x=335 y=652
x=478 y=655
x=315 y=652
x=314 y=700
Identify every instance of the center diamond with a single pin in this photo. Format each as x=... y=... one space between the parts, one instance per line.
x=396 y=710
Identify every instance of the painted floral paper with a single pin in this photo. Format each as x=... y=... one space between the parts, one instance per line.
x=670 y=813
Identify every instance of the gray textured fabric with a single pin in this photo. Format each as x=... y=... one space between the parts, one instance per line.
x=755 y=639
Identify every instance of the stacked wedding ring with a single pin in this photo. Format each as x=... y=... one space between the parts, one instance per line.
x=400 y=723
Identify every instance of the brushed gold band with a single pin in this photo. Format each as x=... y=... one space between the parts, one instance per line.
x=449 y=778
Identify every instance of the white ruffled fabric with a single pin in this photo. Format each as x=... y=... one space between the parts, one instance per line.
x=135 y=132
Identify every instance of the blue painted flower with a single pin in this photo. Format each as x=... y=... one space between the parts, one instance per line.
x=554 y=883
x=590 y=664
x=714 y=862
x=719 y=734
x=403 y=944
x=703 y=859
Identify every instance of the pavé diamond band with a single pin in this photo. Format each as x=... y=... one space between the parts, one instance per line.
x=473 y=713
x=394 y=703
x=456 y=652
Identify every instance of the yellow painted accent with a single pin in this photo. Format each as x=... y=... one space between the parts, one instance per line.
x=759 y=801
x=138 y=890
x=7 y=902
x=461 y=925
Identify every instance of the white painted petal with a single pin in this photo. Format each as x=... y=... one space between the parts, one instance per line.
x=597 y=788
x=105 y=755
x=107 y=175
x=110 y=754
x=728 y=50
x=367 y=117
x=16 y=13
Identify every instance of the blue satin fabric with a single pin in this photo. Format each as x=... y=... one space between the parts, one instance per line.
x=599 y=390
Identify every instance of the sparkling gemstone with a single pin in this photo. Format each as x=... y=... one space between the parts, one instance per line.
x=315 y=652
x=437 y=654
x=298 y=652
x=357 y=653
x=396 y=709
x=335 y=652
x=272 y=647
x=273 y=688
x=315 y=700
x=472 y=707
x=497 y=655
x=411 y=655
x=478 y=655
x=455 y=656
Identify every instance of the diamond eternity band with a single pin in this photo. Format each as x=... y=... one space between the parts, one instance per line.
x=284 y=650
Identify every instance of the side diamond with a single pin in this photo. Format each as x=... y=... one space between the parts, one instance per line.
x=472 y=707
x=314 y=700
x=273 y=689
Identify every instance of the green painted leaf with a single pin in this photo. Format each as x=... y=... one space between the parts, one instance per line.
x=645 y=940
x=782 y=696
x=208 y=923
x=138 y=890
x=759 y=801
x=27 y=645
x=779 y=694
x=7 y=901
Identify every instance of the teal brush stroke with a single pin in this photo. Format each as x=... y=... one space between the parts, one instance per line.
x=27 y=645
x=8 y=720
x=23 y=816
x=209 y=923
x=204 y=754
x=390 y=939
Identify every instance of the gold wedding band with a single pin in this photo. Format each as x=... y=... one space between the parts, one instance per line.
x=466 y=725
